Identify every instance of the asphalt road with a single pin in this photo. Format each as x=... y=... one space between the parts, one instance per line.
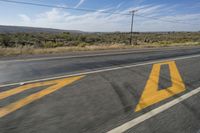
x=145 y=91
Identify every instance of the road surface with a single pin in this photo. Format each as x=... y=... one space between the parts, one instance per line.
x=131 y=91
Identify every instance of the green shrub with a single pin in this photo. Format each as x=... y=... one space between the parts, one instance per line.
x=83 y=44
x=52 y=40
x=53 y=44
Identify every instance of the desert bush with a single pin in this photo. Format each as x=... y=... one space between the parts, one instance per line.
x=52 y=40
x=52 y=44
x=83 y=44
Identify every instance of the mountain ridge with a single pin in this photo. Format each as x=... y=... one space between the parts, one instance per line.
x=26 y=29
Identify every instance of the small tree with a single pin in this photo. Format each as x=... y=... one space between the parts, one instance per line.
x=5 y=40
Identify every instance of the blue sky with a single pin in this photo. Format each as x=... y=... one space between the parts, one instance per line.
x=184 y=11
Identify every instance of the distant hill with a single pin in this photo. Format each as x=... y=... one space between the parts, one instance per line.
x=21 y=29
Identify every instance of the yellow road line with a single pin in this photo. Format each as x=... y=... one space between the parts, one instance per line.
x=56 y=84
x=20 y=89
x=102 y=70
x=152 y=95
x=146 y=116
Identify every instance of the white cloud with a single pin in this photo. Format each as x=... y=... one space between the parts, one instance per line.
x=80 y=3
x=97 y=21
x=119 y=5
x=54 y=15
x=189 y=22
x=24 y=18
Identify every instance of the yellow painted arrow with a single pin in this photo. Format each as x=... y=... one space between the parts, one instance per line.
x=54 y=85
x=152 y=95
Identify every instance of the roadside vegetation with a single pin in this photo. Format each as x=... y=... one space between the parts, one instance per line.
x=45 y=43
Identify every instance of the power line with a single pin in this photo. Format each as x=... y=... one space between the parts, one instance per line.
x=92 y=10
x=164 y=20
x=54 y=6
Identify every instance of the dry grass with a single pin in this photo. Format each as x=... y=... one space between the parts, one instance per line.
x=35 y=51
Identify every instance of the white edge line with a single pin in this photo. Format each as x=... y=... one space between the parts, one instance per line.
x=130 y=124
x=101 y=70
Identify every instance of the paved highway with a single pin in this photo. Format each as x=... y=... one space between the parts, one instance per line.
x=132 y=91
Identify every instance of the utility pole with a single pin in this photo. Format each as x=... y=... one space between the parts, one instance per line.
x=133 y=14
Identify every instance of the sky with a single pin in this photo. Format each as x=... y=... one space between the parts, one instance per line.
x=185 y=12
